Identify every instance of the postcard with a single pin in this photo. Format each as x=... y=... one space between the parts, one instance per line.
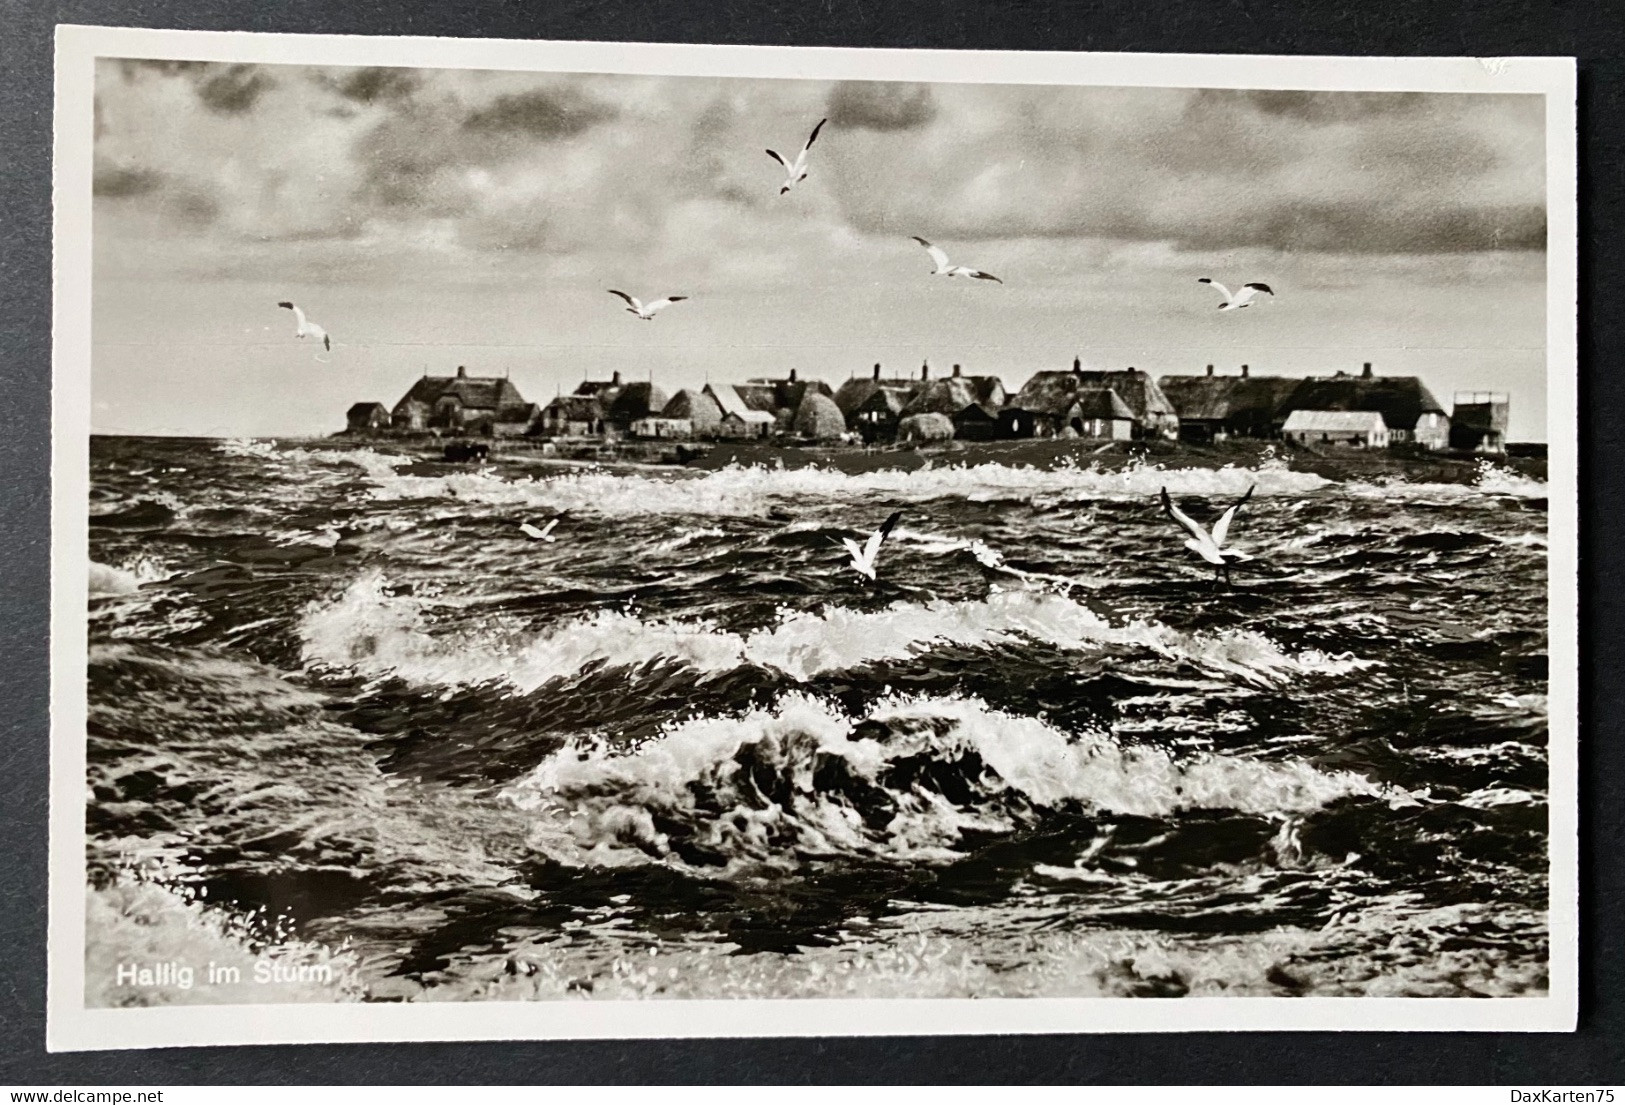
x=567 y=539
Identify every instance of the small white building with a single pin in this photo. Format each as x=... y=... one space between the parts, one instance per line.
x=1337 y=429
x=738 y=419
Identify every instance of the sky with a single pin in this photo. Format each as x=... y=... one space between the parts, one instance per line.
x=435 y=218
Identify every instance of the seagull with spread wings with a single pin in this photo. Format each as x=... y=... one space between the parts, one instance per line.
x=541 y=533
x=948 y=268
x=796 y=171
x=863 y=559
x=304 y=328
x=646 y=311
x=1240 y=299
x=1209 y=546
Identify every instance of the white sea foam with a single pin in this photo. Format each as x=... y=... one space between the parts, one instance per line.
x=248 y=447
x=372 y=632
x=737 y=491
x=126 y=578
x=695 y=795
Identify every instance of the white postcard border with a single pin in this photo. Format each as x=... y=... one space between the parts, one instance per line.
x=71 y=1026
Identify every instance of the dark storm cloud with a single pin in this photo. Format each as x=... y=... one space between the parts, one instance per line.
x=376 y=84
x=1330 y=107
x=123 y=181
x=234 y=89
x=132 y=68
x=1358 y=173
x=881 y=105
x=543 y=113
x=1363 y=227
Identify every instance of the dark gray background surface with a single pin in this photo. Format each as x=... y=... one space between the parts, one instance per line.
x=1593 y=30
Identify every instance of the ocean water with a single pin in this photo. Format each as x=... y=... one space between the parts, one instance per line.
x=338 y=701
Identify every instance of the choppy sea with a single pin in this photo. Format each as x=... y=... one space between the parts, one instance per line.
x=337 y=698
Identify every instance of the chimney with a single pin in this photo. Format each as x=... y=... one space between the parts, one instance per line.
x=1210 y=370
x=461 y=372
x=925 y=370
x=956 y=370
x=615 y=378
x=1365 y=373
x=1244 y=371
x=1077 y=365
x=877 y=372
x=792 y=375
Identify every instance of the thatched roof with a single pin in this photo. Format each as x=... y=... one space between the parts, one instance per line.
x=472 y=392
x=524 y=412
x=359 y=409
x=889 y=400
x=1400 y=399
x=818 y=417
x=637 y=400
x=1051 y=393
x=1221 y=398
x=697 y=406
x=855 y=392
x=925 y=427
x=788 y=392
x=1102 y=403
x=1045 y=392
x=758 y=397
x=945 y=396
x=574 y=408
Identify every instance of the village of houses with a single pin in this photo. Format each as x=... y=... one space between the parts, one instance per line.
x=1344 y=411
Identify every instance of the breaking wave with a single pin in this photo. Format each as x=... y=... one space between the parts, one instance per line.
x=108 y=579
x=381 y=635
x=737 y=492
x=803 y=781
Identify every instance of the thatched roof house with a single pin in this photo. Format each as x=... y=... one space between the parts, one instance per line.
x=952 y=394
x=635 y=401
x=789 y=391
x=455 y=403
x=1215 y=407
x=1046 y=398
x=364 y=417
x=859 y=389
x=818 y=417
x=570 y=416
x=1408 y=408
x=739 y=419
x=698 y=407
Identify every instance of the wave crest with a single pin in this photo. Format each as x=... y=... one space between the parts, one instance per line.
x=802 y=781
x=737 y=491
x=375 y=633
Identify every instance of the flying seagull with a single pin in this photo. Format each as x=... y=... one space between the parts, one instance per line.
x=646 y=311
x=796 y=171
x=544 y=533
x=307 y=328
x=1210 y=547
x=1243 y=298
x=945 y=268
x=863 y=560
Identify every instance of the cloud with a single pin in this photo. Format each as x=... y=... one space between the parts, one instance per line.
x=233 y=89
x=1327 y=107
x=1214 y=170
x=881 y=105
x=375 y=84
x=124 y=181
x=545 y=113
x=627 y=172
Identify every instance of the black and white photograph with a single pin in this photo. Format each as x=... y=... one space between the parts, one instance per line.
x=602 y=540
